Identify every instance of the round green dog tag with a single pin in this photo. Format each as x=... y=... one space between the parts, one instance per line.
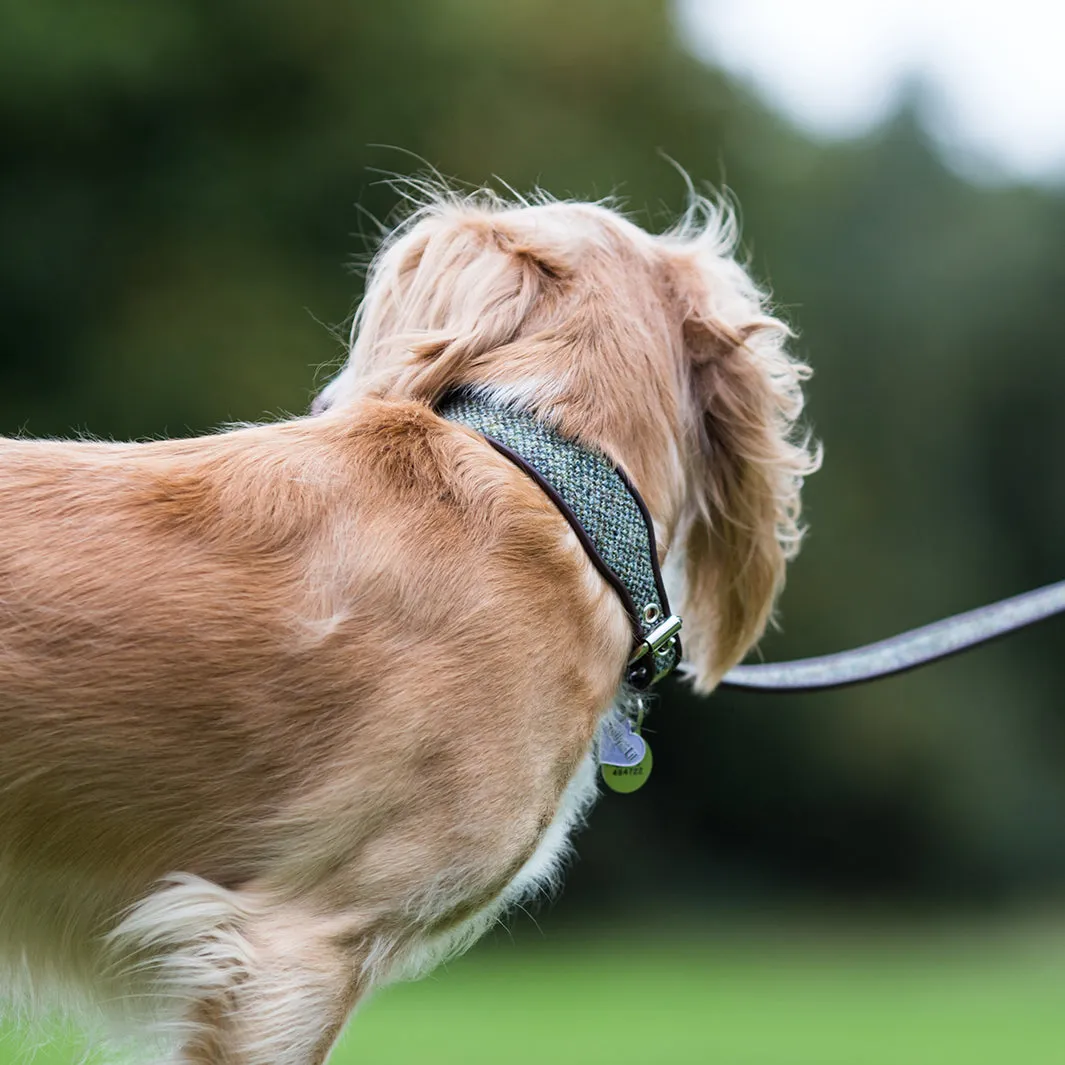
x=627 y=778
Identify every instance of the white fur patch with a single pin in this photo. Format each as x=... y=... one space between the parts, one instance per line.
x=181 y=945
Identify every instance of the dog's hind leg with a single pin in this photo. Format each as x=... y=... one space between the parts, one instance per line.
x=239 y=979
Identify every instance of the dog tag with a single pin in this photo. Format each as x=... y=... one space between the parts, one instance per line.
x=619 y=744
x=628 y=778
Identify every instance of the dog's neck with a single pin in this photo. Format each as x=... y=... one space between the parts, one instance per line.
x=644 y=446
x=603 y=508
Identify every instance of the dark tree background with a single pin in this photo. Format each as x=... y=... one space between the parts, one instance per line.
x=182 y=184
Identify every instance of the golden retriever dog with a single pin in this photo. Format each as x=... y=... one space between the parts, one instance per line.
x=296 y=709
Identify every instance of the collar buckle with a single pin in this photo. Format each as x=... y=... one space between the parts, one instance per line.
x=658 y=642
x=659 y=639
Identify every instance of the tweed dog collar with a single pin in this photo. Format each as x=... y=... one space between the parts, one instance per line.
x=605 y=511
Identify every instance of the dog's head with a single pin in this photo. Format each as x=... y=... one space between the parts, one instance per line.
x=656 y=349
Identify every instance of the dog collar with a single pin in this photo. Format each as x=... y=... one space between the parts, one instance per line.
x=603 y=508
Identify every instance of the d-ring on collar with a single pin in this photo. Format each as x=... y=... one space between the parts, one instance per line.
x=605 y=511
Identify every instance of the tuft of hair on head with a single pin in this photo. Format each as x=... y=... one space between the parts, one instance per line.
x=448 y=284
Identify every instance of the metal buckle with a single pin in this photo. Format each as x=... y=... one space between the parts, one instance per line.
x=659 y=639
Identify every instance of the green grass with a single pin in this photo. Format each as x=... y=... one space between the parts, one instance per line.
x=793 y=999
x=737 y=1002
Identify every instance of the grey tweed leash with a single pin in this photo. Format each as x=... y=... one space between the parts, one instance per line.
x=612 y=523
x=605 y=511
x=907 y=650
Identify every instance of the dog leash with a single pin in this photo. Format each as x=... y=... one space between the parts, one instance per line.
x=907 y=650
x=611 y=521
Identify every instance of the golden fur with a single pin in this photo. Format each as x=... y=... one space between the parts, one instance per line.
x=295 y=709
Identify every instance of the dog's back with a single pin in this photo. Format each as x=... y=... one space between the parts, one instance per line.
x=239 y=659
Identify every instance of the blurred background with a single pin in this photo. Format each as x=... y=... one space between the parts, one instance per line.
x=870 y=876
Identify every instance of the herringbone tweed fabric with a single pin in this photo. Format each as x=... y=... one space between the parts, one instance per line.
x=591 y=487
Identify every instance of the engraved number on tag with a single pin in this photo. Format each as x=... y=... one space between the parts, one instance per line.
x=628 y=778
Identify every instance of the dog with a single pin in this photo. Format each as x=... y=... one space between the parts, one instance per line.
x=297 y=709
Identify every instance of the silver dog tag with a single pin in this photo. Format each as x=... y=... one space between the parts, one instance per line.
x=624 y=755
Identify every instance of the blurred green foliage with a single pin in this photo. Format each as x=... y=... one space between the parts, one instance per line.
x=182 y=183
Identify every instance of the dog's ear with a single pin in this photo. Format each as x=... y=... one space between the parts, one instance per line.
x=743 y=521
x=455 y=288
